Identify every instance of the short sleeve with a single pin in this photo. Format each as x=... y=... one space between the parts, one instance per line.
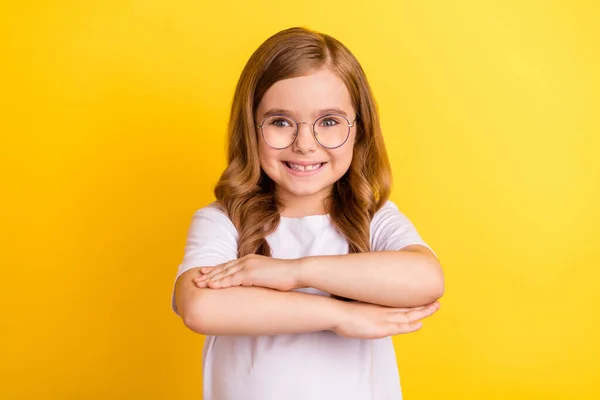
x=211 y=240
x=392 y=230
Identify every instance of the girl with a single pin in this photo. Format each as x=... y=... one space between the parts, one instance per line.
x=302 y=224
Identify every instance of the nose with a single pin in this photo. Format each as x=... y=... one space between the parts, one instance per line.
x=305 y=141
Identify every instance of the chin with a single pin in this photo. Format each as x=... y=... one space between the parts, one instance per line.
x=302 y=190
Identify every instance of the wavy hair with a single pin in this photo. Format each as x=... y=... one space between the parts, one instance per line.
x=247 y=194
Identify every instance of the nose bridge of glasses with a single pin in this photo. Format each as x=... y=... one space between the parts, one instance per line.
x=310 y=127
x=305 y=142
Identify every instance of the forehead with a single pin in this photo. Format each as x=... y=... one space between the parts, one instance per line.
x=306 y=95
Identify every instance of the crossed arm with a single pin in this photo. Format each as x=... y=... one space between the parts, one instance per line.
x=407 y=278
x=393 y=289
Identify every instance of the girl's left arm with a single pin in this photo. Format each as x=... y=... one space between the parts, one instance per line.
x=409 y=277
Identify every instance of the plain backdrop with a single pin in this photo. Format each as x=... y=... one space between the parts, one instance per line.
x=112 y=133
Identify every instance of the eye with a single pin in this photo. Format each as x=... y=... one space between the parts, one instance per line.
x=280 y=122
x=329 y=121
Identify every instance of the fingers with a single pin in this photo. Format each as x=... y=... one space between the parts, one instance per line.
x=221 y=276
x=215 y=283
x=415 y=308
x=410 y=321
x=209 y=273
x=231 y=280
x=219 y=269
x=400 y=329
x=416 y=315
x=218 y=276
x=222 y=283
x=228 y=272
x=204 y=281
x=404 y=310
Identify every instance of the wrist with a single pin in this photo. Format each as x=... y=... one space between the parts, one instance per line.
x=341 y=311
x=303 y=267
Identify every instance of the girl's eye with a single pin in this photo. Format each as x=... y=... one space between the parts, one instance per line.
x=281 y=123
x=329 y=122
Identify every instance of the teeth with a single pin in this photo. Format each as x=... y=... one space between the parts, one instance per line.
x=297 y=167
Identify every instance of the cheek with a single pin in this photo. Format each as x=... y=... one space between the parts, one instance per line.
x=342 y=160
x=268 y=157
x=343 y=155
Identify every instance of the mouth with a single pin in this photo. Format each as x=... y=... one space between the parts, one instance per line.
x=303 y=169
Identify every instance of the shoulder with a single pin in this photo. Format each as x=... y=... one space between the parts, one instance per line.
x=392 y=230
x=214 y=210
x=389 y=219
x=387 y=211
x=213 y=216
x=387 y=207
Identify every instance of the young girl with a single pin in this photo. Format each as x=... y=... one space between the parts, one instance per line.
x=302 y=269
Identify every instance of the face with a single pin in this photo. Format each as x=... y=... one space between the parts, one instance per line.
x=306 y=170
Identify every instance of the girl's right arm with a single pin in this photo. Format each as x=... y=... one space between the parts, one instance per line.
x=256 y=311
x=251 y=311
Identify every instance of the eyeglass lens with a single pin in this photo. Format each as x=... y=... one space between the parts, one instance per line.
x=330 y=131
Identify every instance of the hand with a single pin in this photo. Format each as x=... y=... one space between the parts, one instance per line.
x=251 y=270
x=371 y=321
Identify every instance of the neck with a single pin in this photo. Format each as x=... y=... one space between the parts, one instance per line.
x=302 y=206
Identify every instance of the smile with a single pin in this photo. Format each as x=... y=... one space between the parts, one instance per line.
x=298 y=169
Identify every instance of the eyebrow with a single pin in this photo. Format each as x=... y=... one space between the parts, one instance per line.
x=275 y=111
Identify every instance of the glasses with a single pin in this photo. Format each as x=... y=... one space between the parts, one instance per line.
x=330 y=131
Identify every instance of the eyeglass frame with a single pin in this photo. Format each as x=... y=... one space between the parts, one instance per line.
x=262 y=132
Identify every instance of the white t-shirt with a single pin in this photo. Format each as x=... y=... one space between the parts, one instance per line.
x=307 y=366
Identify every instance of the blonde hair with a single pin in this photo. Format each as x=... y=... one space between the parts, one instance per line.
x=247 y=194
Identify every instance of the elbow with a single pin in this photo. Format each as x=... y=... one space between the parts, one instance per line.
x=193 y=321
x=437 y=285
x=431 y=283
x=437 y=291
x=431 y=292
x=194 y=317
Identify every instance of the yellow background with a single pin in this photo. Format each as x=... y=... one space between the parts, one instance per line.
x=112 y=125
